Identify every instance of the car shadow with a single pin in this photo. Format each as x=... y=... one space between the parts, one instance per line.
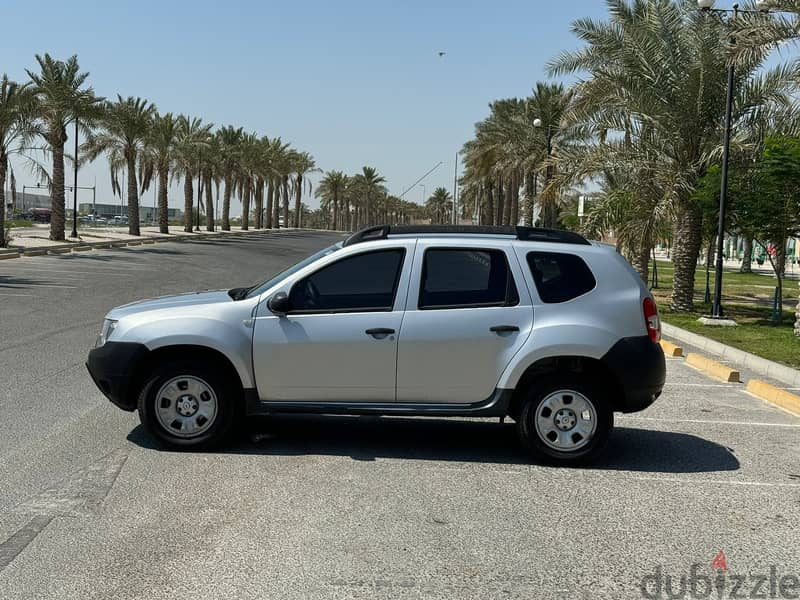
x=368 y=438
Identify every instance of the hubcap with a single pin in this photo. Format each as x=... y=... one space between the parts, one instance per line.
x=566 y=420
x=186 y=406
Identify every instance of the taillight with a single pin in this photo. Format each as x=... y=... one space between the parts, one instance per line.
x=651 y=320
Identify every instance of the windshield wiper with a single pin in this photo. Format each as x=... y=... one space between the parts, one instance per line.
x=239 y=293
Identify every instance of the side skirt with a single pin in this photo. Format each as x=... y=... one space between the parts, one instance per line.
x=494 y=406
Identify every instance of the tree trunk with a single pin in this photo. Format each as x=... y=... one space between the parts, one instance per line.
x=335 y=220
x=188 y=199
x=641 y=261
x=246 y=204
x=226 y=204
x=163 y=206
x=286 y=201
x=259 y=201
x=57 y=193
x=498 y=202
x=515 y=200
x=209 y=204
x=549 y=212
x=747 y=258
x=489 y=202
x=3 y=172
x=688 y=239
x=298 y=192
x=797 y=317
x=780 y=270
x=270 y=201
x=530 y=194
x=133 y=198
x=276 y=206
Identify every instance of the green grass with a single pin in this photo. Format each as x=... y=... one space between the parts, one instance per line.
x=747 y=298
x=19 y=223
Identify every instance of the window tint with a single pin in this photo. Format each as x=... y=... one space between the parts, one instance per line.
x=362 y=282
x=560 y=277
x=453 y=278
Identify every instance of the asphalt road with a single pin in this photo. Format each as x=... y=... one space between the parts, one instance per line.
x=354 y=507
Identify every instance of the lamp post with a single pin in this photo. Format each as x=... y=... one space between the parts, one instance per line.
x=762 y=6
x=75 y=186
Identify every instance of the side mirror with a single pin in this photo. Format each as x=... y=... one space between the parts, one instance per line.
x=279 y=303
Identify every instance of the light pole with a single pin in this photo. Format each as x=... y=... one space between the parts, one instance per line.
x=75 y=186
x=762 y=6
x=422 y=185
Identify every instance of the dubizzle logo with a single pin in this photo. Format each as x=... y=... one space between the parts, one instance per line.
x=719 y=583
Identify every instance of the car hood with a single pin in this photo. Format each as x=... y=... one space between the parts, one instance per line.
x=162 y=302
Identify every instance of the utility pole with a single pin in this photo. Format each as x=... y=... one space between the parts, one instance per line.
x=75 y=186
x=455 y=192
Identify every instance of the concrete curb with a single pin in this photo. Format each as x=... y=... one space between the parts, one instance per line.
x=712 y=368
x=740 y=358
x=81 y=248
x=7 y=255
x=671 y=349
x=774 y=395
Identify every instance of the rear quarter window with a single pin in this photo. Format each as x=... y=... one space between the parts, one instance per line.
x=560 y=277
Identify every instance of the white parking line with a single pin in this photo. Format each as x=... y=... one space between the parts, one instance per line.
x=17 y=295
x=703 y=385
x=710 y=422
x=718 y=482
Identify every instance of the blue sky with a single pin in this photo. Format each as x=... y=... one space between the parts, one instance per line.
x=353 y=82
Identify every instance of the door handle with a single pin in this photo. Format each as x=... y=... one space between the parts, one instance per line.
x=503 y=328
x=379 y=331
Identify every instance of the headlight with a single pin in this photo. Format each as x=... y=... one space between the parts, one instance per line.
x=108 y=326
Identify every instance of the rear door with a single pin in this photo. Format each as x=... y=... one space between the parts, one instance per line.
x=468 y=312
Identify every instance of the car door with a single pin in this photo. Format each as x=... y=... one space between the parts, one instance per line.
x=338 y=342
x=468 y=312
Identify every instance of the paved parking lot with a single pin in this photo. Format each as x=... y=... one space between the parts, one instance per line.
x=354 y=507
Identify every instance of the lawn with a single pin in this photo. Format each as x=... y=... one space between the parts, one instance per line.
x=747 y=298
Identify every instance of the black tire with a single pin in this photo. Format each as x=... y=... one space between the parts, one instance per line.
x=226 y=396
x=533 y=407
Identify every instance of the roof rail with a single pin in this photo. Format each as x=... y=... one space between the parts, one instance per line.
x=532 y=234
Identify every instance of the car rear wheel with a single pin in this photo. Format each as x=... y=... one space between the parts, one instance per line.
x=188 y=405
x=565 y=421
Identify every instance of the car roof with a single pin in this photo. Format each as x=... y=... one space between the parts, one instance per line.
x=531 y=234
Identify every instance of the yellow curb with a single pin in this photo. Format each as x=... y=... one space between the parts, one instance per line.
x=775 y=395
x=671 y=349
x=148 y=241
x=712 y=368
x=6 y=255
x=81 y=248
x=136 y=243
x=58 y=251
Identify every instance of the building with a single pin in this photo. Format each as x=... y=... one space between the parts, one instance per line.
x=146 y=213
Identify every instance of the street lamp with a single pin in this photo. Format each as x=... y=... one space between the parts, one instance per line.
x=75 y=186
x=762 y=6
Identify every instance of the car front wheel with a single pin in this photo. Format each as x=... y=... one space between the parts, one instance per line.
x=565 y=421
x=188 y=405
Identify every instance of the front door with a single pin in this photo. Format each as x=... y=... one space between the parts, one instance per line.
x=338 y=342
x=468 y=313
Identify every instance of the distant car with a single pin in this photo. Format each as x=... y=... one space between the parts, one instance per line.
x=41 y=215
x=120 y=220
x=543 y=326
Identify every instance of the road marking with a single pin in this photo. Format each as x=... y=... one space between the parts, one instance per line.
x=718 y=482
x=30 y=295
x=27 y=284
x=13 y=546
x=709 y=422
x=703 y=385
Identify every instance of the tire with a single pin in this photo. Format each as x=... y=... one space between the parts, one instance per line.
x=189 y=405
x=553 y=424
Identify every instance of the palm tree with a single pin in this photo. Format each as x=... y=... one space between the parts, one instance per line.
x=331 y=191
x=439 y=205
x=371 y=184
x=122 y=135
x=192 y=138
x=303 y=165
x=16 y=103
x=657 y=70
x=61 y=98
x=229 y=140
x=161 y=153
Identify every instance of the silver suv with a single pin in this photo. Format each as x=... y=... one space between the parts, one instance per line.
x=556 y=332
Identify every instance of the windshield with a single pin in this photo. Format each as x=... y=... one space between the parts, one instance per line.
x=262 y=287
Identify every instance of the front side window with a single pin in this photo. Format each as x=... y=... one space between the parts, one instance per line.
x=364 y=282
x=560 y=277
x=465 y=277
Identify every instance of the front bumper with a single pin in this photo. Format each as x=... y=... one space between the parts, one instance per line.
x=641 y=370
x=113 y=369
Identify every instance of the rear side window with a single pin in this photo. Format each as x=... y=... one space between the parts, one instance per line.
x=466 y=277
x=560 y=277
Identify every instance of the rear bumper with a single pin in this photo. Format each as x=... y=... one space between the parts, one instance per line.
x=641 y=370
x=113 y=368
